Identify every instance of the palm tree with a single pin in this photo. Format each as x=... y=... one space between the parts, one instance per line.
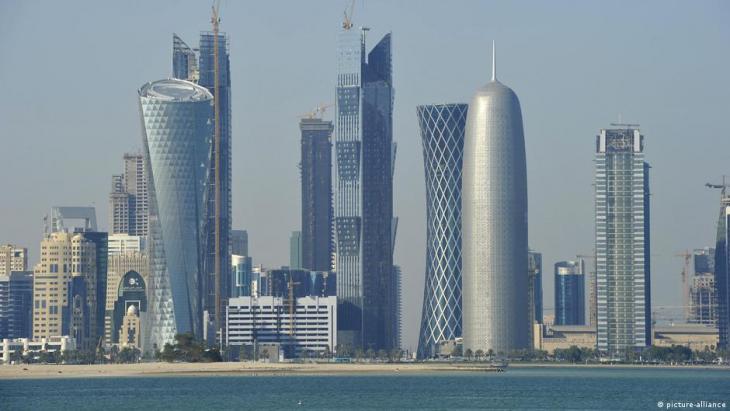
x=490 y=353
x=479 y=354
x=469 y=353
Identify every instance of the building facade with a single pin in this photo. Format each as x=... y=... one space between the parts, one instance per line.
x=239 y=242
x=309 y=328
x=295 y=250
x=534 y=270
x=177 y=118
x=622 y=241
x=13 y=258
x=316 y=178
x=570 y=293
x=364 y=191
x=241 y=270
x=442 y=137
x=494 y=223
x=128 y=276
x=722 y=270
x=16 y=304
x=129 y=198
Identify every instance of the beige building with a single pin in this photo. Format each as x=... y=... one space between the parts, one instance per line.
x=694 y=336
x=130 y=332
x=548 y=338
x=118 y=266
x=64 y=258
x=13 y=258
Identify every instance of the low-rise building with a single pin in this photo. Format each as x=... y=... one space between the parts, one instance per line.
x=26 y=346
x=693 y=336
x=548 y=338
x=305 y=325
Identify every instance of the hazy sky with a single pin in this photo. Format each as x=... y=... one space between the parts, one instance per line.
x=69 y=74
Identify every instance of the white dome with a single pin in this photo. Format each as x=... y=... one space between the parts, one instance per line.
x=132 y=310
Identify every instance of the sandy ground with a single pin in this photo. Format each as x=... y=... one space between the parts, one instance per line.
x=229 y=368
x=253 y=369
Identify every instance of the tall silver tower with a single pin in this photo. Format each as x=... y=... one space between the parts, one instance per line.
x=494 y=222
x=442 y=134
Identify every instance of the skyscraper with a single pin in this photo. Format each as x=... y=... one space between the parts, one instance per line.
x=622 y=241
x=239 y=242
x=177 y=119
x=295 y=249
x=316 y=174
x=208 y=42
x=570 y=293
x=184 y=60
x=702 y=293
x=16 y=304
x=494 y=222
x=722 y=270
x=364 y=191
x=128 y=201
x=534 y=268
x=442 y=137
x=13 y=258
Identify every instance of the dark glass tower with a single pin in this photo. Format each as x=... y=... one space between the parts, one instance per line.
x=364 y=192
x=207 y=80
x=316 y=173
x=442 y=136
x=569 y=293
x=722 y=271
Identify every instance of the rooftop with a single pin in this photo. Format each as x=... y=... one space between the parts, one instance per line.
x=175 y=90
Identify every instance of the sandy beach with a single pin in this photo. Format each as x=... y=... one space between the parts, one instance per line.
x=227 y=368
x=256 y=368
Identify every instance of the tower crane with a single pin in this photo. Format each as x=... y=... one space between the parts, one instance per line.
x=292 y=299
x=347 y=22
x=317 y=112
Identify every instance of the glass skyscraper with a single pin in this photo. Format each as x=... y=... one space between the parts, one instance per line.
x=364 y=192
x=622 y=241
x=177 y=118
x=570 y=293
x=316 y=175
x=722 y=271
x=442 y=136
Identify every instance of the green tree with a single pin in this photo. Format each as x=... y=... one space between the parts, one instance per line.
x=469 y=354
x=382 y=354
x=479 y=354
x=168 y=353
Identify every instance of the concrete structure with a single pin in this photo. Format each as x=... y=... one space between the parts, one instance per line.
x=295 y=249
x=61 y=219
x=184 y=61
x=130 y=333
x=570 y=292
x=316 y=178
x=364 y=157
x=534 y=289
x=129 y=198
x=239 y=242
x=494 y=223
x=311 y=327
x=13 y=258
x=694 y=336
x=442 y=138
x=548 y=338
x=15 y=348
x=722 y=270
x=120 y=244
x=16 y=304
x=622 y=241
x=123 y=289
x=64 y=285
x=177 y=118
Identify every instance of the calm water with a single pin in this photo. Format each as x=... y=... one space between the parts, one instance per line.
x=524 y=388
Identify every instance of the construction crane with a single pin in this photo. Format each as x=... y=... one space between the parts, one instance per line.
x=317 y=112
x=215 y=21
x=685 y=273
x=292 y=299
x=347 y=22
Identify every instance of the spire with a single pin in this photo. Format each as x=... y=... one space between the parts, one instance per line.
x=494 y=63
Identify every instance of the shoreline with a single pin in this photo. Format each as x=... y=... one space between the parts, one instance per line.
x=161 y=369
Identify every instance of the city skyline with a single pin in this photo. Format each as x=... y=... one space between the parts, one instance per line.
x=252 y=198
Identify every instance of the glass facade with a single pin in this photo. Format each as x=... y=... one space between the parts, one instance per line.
x=622 y=242
x=364 y=192
x=316 y=175
x=177 y=119
x=207 y=80
x=442 y=136
x=722 y=271
x=241 y=268
x=569 y=293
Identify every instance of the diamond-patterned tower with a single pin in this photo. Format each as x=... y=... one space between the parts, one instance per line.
x=177 y=119
x=442 y=134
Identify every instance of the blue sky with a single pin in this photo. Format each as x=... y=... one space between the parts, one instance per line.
x=69 y=73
